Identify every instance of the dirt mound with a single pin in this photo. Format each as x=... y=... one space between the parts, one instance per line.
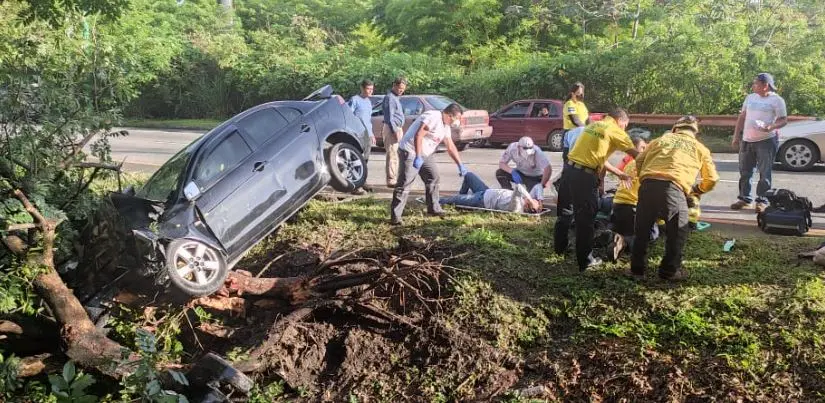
x=387 y=337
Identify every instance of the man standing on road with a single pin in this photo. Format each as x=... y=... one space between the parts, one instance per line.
x=667 y=171
x=362 y=108
x=763 y=112
x=532 y=166
x=579 y=187
x=393 y=127
x=575 y=113
x=416 y=153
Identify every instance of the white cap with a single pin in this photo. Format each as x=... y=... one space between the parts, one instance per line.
x=526 y=144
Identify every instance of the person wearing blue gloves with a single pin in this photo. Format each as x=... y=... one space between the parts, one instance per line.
x=532 y=165
x=415 y=155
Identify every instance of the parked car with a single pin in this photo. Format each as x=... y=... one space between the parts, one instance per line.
x=475 y=123
x=801 y=145
x=194 y=219
x=522 y=118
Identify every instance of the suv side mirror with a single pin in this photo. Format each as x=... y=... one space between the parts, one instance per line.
x=129 y=191
x=191 y=191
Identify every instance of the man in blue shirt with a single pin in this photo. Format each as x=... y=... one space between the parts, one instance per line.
x=393 y=128
x=362 y=108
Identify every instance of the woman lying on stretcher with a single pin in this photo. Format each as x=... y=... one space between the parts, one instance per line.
x=475 y=193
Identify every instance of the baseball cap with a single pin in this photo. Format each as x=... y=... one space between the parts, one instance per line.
x=526 y=144
x=687 y=122
x=767 y=78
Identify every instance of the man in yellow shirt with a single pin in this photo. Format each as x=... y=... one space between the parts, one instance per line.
x=579 y=185
x=575 y=115
x=623 y=214
x=667 y=171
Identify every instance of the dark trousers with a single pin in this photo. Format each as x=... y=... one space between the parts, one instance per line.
x=660 y=199
x=406 y=176
x=579 y=198
x=623 y=219
x=504 y=178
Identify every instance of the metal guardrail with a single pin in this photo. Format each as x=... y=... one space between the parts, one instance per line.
x=704 y=120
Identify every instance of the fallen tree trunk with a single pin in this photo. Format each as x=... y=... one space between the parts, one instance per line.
x=85 y=344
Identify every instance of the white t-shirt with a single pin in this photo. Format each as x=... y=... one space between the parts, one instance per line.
x=530 y=165
x=438 y=131
x=766 y=109
x=510 y=200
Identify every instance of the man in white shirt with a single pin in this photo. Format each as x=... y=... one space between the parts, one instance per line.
x=532 y=166
x=415 y=153
x=475 y=193
x=756 y=139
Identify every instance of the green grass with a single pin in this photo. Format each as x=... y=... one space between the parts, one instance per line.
x=183 y=124
x=747 y=324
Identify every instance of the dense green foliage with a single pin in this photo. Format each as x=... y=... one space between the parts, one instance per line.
x=671 y=56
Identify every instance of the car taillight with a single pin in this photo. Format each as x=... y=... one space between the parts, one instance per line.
x=486 y=120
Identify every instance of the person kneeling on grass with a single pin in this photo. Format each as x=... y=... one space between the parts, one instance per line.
x=623 y=215
x=475 y=193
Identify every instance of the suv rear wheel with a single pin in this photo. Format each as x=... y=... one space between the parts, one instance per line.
x=347 y=167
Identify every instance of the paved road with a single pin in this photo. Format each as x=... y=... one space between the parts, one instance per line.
x=145 y=150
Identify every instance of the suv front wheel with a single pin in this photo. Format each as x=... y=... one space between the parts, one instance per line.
x=347 y=167
x=195 y=268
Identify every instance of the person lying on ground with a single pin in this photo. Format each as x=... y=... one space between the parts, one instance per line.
x=475 y=193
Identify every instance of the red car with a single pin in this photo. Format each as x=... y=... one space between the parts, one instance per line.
x=525 y=118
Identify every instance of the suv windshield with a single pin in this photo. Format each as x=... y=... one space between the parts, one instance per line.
x=166 y=181
x=439 y=102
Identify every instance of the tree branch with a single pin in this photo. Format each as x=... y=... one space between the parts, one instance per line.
x=18 y=227
x=99 y=165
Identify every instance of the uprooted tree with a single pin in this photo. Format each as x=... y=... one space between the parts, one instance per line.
x=59 y=99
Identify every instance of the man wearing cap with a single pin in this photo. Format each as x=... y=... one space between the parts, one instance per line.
x=416 y=158
x=532 y=166
x=667 y=171
x=756 y=138
x=579 y=186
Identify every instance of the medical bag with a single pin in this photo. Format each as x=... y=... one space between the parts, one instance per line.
x=787 y=213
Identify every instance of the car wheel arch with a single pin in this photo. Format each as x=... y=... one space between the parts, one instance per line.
x=342 y=137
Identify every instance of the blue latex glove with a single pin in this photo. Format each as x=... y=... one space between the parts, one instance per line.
x=516 y=176
x=417 y=162
x=462 y=170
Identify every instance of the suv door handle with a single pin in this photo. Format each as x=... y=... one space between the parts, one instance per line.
x=259 y=166
x=305 y=128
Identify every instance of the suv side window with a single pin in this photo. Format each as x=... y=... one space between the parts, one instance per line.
x=263 y=124
x=515 y=111
x=412 y=106
x=290 y=114
x=223 y=158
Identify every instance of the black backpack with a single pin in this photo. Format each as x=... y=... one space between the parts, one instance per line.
x=787 y=214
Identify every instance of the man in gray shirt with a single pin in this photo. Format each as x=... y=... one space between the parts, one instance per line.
x=756 y=139
x=393 y=128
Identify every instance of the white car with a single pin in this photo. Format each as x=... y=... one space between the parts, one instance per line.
x=801 y=145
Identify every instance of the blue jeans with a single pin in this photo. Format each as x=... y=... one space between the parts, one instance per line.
x=471 y=183
x=758 y=155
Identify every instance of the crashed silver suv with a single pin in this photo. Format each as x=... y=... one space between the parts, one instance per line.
x=208 y=205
